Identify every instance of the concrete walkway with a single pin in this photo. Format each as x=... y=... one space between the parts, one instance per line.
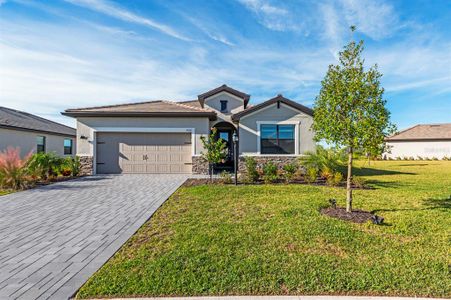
x=53 y=238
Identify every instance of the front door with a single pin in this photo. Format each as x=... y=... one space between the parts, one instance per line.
x=226 y=135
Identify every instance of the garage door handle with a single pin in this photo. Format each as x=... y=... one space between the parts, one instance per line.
x=188 y=163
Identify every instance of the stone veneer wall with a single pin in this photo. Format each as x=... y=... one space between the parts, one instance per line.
x=200 y=165
x=86 y=165
x=279 y=161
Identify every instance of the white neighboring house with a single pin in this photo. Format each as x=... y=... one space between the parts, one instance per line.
x=421 y=141
x=34 y=134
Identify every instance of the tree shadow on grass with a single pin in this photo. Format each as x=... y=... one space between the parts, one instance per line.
x=431 y=204
x=378 y=172
x=378 y=184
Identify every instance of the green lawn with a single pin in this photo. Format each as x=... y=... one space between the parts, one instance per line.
x=271 y=239
x=4 y=192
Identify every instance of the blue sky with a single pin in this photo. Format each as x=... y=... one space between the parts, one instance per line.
x=75 y=53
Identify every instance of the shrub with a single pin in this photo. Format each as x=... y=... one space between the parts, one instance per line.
x=13 y=169
x=270 y=172
x=327 y=173
x=434 y=158
x=251 y=169
x=45 y=165
x=323 y=158
x=398 y=158
x=226 y=177
x=335 y=179
x=358 y=182
x=311 y=175
x=71 y=165
x=289 y=171
x=419 y=158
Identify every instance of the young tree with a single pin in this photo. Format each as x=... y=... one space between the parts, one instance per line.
x=216 y=150
x=350 y=110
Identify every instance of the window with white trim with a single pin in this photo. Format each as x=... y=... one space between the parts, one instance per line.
x=277 y=139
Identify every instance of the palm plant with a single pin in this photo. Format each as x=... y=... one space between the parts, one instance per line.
x=323 y=159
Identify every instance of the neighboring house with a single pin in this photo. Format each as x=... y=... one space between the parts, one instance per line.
x=421 y=141
x=34 y=134
x=164 y=136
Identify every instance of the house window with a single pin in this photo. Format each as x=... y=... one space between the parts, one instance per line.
x=67 y=146
x=223 y=105
x=40 y=144
x=277 y=139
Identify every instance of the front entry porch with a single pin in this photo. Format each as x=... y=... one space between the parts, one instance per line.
x=225 y=131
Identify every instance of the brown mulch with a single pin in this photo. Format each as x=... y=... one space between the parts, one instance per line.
x=356 y=216
x=201 y=181
x=320 y=182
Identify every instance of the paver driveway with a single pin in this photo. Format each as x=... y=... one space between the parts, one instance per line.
x=53 y=238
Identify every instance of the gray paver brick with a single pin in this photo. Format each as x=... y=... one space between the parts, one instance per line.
x=53 y=238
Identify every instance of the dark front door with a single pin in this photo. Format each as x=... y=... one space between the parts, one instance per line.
x=226 y=135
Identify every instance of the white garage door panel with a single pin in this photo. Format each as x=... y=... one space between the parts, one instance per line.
x=144 y=153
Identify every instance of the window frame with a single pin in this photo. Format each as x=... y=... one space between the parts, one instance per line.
x=225 y=103
x=296 y=136
x=44 y=144
x=71 y=149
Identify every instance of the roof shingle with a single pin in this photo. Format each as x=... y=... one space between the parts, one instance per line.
x=424 y=132
x=15 y=119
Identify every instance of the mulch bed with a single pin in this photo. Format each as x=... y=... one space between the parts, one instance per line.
x=320 y=182
x=356 y=216
x=201 y=181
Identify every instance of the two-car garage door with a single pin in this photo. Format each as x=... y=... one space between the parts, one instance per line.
x=143 y=152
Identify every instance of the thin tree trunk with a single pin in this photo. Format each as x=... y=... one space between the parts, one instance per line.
x=349 y=183
x=211 y=171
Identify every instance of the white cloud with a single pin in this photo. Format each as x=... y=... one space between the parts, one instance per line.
x=271 y=16
x=213 y=34
x=375 y=18
x=125 y=15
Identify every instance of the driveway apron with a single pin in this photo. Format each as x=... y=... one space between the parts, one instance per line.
x=53 y=238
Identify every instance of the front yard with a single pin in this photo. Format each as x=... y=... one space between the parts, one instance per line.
x=271 y=239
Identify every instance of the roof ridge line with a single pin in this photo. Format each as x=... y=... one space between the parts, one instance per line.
x=184 y=105
x=114 y=105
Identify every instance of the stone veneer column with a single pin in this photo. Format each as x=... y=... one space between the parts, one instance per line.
x=86 y=165
x=200 y=165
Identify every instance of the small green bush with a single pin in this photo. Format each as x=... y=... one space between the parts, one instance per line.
x=434 y=158
x=419 y=158
x=226 y=177
x=71 y=165
x=335 y=179
x=311 y=175
x=289 y=171
x=327 y=173
x=45 y=165
x=270 y=172
x=358 y=182
x=251 y=175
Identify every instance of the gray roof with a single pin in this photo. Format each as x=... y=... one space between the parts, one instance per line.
x=14 y=119
x=424 y=132
x=156 y=108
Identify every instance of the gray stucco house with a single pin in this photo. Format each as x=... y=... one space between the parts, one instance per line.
x=164 y=136
x=34 y=134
